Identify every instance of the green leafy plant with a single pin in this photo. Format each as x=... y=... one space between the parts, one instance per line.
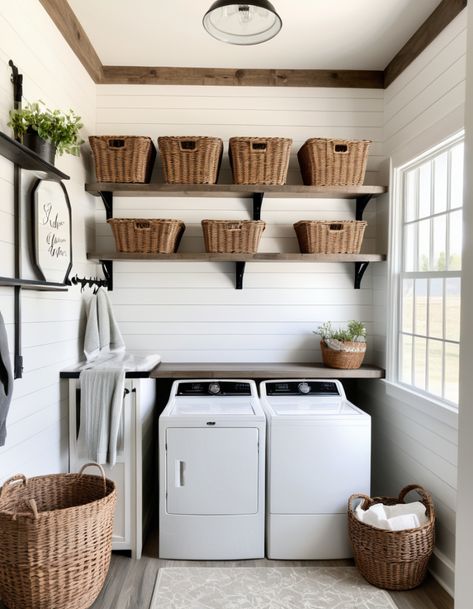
x=355 y=331
x=59 y=128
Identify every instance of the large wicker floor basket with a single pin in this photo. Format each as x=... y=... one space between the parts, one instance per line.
x=190 y=160
x=55 y=540
x=329 y=162
x=227 y=236
x=259 y=160
x=123 y=158
x=394 y=560
x=147 y=236
x=330 y=237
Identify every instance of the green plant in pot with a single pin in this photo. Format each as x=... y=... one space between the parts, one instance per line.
x=342 y=347
x=47 y=131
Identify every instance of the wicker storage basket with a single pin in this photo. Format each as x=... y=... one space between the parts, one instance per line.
x=345 y=360
x=147 y=236
x=329 y=162
x=55 y=540
x=226 y=237
x=259 y=160
x=395 y=560
x=123 y=158
x=190 y=160
x=330 y=237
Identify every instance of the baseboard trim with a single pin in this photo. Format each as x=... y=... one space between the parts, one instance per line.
x=443 y=570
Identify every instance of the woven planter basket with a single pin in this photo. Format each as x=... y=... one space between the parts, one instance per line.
x=190 y=160
x=334 y=237
x=123 y=158
x=394 y=560
x=345 y=360
x=147 y=236
x=330 y=162
x=259 y=160
x=228 y=237
x=55 y=540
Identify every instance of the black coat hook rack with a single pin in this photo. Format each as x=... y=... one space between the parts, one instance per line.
x=89 y=282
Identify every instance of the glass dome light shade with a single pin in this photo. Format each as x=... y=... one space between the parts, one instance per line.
x=242 y=23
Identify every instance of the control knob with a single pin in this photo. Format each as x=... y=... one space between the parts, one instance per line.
x=214 y=388
x=304 y=388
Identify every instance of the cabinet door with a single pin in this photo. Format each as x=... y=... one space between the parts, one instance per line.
x=212 y=471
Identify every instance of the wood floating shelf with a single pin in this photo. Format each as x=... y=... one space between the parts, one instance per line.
x=27 y=159
x=262 y=371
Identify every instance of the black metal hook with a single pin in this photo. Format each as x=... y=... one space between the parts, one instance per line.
x=90 y=282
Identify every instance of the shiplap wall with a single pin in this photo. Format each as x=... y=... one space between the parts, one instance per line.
x=191 y=311
x=37 y=424
x=422 y=107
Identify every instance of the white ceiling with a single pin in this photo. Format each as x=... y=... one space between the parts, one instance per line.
x=316 y=34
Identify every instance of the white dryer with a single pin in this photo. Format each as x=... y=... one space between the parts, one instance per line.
x=211 y=472
x=319 y=447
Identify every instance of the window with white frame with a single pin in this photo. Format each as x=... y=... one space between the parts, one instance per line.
x=430 y=239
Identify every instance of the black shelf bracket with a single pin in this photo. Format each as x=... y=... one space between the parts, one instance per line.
x=107 y=269
x=239 y=274
x=360 y=268
x=361 y=203
x=107 y=198
x=17 y=81
x=257 y=204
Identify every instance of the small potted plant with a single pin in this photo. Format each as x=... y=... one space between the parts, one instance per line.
x=47 y=131
x=342 y=347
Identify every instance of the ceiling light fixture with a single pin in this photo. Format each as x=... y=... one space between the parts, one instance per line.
x=250 y=23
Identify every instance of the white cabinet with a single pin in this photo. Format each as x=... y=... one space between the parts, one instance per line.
x=133 y=472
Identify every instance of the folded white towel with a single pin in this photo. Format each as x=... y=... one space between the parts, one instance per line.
x=374 y=515
x=102 y=334
x=393 y=517
x=406 y=521
x=415 y=507
x=101 y=401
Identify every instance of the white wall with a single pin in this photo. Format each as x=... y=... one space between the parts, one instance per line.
x=413 y=443
x=36 y=427
x=465 y=452
x=191 y=311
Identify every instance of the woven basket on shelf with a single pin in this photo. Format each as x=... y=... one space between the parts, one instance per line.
x=147 y=235
x=228 y=236
x=123 y=158
x=259 y=160
x=190 y=160
x=330 y=162
x=330 y=237
x=345 y=360
x=55 y=540
x=394 y=560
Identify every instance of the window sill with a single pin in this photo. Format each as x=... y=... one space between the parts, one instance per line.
x=448 y=415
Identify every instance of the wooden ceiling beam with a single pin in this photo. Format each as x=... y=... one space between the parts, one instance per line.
x=246 y=78
x=75 y=36
x=445 y=12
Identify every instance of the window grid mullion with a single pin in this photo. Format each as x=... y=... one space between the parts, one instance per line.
x=427 y=332
x=444 y=331
x=450 y=342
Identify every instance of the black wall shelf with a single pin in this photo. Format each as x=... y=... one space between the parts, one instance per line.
x=27 y=159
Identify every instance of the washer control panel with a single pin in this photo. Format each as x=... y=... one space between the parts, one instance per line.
x=216 y=388
x=322 y=388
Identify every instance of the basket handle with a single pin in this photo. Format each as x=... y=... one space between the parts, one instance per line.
x=259 y=146
x=234 y=226
x=425 y=495
x=367 y=501
x=341 y=147
x=188 y=145
x=336 y=228
x=142 y=225
x=102 y=471
x=116 y=143
x=12 y=480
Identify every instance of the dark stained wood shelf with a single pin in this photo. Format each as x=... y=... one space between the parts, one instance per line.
x=262 y=370
x=27 y=159
x=233 y=190
x=263 y=257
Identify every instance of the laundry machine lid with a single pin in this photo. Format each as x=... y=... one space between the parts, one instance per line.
x=209 y=405
x=306 y=406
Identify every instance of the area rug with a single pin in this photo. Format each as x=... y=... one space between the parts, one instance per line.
x=266 y=588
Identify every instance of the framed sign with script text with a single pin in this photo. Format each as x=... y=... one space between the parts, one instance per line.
x=52 y=231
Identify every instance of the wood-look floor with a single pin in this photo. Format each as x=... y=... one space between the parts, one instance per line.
x=130 y=583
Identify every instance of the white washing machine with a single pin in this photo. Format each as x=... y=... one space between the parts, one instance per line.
x=319 y=448
x=211 y=472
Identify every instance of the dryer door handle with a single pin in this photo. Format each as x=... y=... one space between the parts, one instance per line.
x=179 y=471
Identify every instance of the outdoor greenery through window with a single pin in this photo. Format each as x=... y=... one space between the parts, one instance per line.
x=430 y=273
